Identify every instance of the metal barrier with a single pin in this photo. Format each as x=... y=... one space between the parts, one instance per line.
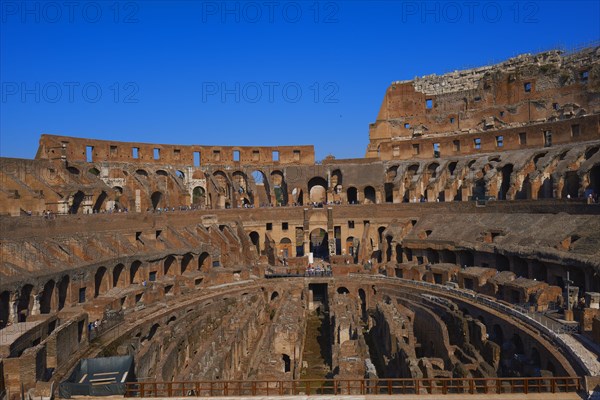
x=421 y=386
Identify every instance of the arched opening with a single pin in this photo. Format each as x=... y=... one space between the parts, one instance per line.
x=285 y=248
x=452 y=167
x=185 y=261
x=589 y=153
x=274 y=295
x=518 y=344
x=448 y=256
x=507 y=171
x=262 y=191
x=539 y=271
x=466 y=257
x=286 y=363
x=336 y=178
x=167 y=264
x=317 y=188
x=432 y=170
x=399 y=252
x=319 y=243
x=100 y=282
x=525 y=192
x=388 y=250
x=198 y=196
x=479 y=190
x=369 y=195
x=255 y=239
x=63 y=290
x=77 y=200
x=350 y=250
x=352 y=195
x=204 y=262
x=279 y=188
x=134 y=276
x=99 y=201
x=141 y=172
x=4 y=308
x=46 y=298
x=546 y=190
x=24 y=303
x=497 y=335
x=571 y=185
x=156 y=200
x=117 y=273
x=343 y=290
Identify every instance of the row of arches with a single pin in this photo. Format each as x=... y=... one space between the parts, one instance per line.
x=54 y=295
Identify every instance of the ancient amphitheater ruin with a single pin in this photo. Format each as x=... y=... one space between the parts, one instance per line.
x=461 y=255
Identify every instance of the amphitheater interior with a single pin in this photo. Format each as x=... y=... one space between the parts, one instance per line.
x=464 y=245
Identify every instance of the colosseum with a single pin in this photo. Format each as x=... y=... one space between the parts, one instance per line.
x=460 y=255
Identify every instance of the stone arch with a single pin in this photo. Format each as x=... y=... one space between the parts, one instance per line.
x=185 y=261
x=319 y=243
x=369 y=195
x=78 y=198
x=285 y=247
x=336 y=178
x=99 y=201
x=118 y=276
x=525 y=192
x=274 y=295
x=317 y=189
x=571 y=185
x=546 y=190
x=141 y=172
x=156 y=199
x=161 y=172
x=343 y=290
x=134 y=272
x=262 y=191
x=204 y=262
x=168 y=268
x=24 y=303
x=100 y=281
x=279 y=188
x=350 y=250
x=432 y=170
x=506 y=173
x=452 y=167
x=198 y=196
x=63 y=291
x=47 y=297
x=352 y=195
x=255 y=239
x=589 y=153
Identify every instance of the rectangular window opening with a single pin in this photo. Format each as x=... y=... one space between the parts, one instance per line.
x=177 y=154
x=135 y=152
x=585 y=75
x=456 y=144
x=113 y=150
x=547 y=138
x=523 y=138
x=275 y=155
x=575 y=130
x=236 y=155
x=296 y=155
x=284 y=226
x=527 y=87
x=499 y=141
x=451 y=120
x=196 y=159
x=407 y=125
x=436 y=150
x=82 y=295
x=477 y=143
x=416 y=149
x=217 y=155
x=269 y=226
x=255 y=155
x=156 y=154
x=429 y=104
x=350 y=224
x=89 y=153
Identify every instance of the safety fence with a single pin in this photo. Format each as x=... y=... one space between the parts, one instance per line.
x=420 y=386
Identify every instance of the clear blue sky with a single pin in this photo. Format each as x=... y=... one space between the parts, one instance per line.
x=247 y=72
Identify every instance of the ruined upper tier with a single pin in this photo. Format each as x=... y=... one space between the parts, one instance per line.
x=500 y=107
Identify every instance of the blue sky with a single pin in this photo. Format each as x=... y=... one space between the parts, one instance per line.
x=247 y=72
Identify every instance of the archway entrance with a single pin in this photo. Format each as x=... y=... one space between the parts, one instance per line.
x=317 y=189
x=319 y=243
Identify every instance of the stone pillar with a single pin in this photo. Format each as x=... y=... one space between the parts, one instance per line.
x=35 y=309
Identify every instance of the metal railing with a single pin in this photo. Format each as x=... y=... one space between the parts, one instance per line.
x=419 y=386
